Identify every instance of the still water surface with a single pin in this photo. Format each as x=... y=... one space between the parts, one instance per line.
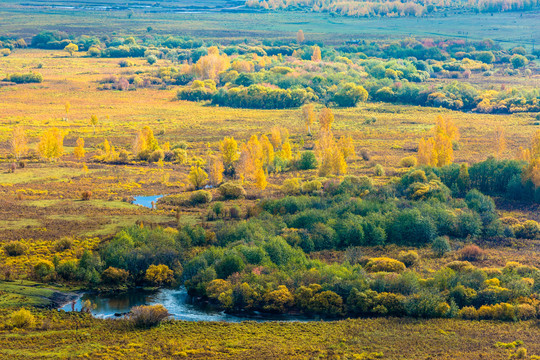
x=178 y=302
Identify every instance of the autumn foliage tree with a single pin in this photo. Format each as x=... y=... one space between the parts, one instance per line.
x=229 y=152
x=79 y=151
x=159 y=274
x=308 y=115
x=332 y=154
x=500 y=140
x=316 y=56
x=145 y=141
x=51 y=144
x=94 y=122
x=197 y=176
x=215 y=170
x=438 y=150
x=532 y=172
x=71 y=49
x=326 y=119
x=209 y=66
x=19 y=142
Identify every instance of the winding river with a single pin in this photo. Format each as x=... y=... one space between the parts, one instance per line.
x=178 y=302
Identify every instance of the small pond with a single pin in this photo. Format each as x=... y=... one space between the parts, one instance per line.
x=178 y=302
x=146 y=201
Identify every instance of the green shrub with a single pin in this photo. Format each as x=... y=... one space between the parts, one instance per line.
x=384 y=264
x=15 y=248
x=229 y=265
x=310 y=187
x=409 y=258
x=200 y=197
x=151 y=59
x=441 y=245
x=230 y=190
x=175 y=200
x=307 y=161
x=379 y=170
x=25 y=78
x=291 y=186
x=67 y=270
x=409 y=161
x=44 y=270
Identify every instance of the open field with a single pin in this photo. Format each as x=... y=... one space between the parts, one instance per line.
x=512 y=29
x=348 y=339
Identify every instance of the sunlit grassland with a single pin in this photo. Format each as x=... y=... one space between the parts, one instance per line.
x=35 y=174
x=23 y=293
x=394 y=133
x=348 y=339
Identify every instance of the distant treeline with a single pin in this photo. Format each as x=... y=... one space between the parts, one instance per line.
x=373 y=8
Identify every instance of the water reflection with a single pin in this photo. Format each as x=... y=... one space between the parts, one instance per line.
x=179 y=304
x=147 y=201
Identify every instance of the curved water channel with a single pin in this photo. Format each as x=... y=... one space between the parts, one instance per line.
x=179 y=304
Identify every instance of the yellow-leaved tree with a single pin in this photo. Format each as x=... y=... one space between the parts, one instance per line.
x=275 y=136
x=229 y=151
x=316 y=56
x=267 y=151
x=439 y=150
x=260 y=179
x=79 y=151
x=215 y=170
x=326 y=119
x=19 y=142
x=500 y=140
x=209 y=66
x=197 y=176
x=145 y=140
x=51 y=144
x=286 y=151
x=159 y=274
x=532 y=172
x=94 y=122
x=71 y=48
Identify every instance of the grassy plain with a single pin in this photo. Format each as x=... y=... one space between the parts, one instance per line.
x=80 y=336
x=512 y=28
